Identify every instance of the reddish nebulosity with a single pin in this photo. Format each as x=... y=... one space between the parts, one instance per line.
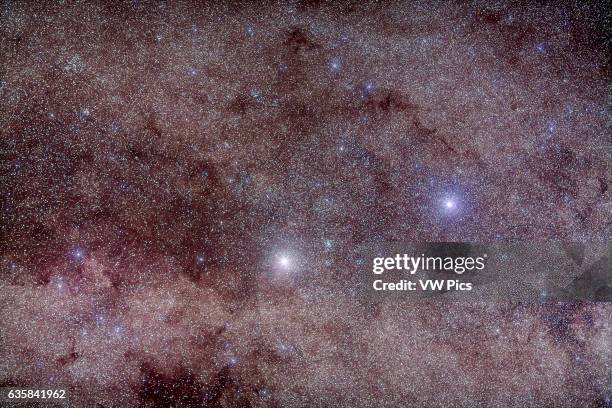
x=157 y=160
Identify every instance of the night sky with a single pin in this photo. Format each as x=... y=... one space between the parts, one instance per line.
x=185 y=188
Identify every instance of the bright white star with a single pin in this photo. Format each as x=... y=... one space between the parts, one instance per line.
x=284 y=261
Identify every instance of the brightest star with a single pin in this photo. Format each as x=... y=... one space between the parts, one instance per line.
x=284 y=261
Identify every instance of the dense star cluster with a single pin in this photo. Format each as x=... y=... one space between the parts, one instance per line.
x=185 y=189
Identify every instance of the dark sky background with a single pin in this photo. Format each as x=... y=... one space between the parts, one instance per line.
x=185 y=187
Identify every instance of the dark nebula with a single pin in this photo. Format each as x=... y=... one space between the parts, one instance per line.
x=184 y=188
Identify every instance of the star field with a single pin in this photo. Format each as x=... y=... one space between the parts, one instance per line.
x=185 y=189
